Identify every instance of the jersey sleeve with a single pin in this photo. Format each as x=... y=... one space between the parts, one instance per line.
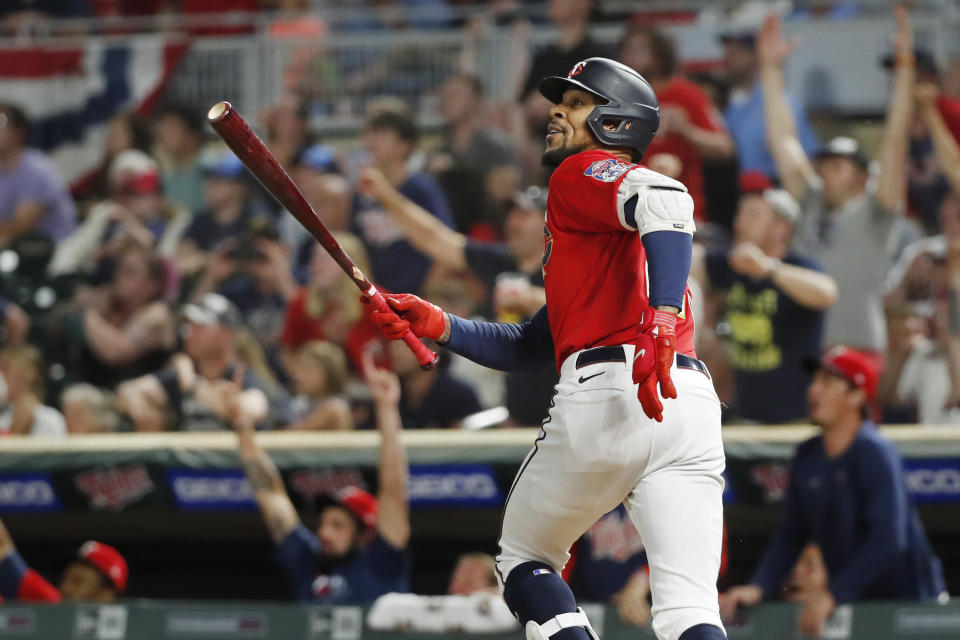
x=295 y=554
x=583 y=193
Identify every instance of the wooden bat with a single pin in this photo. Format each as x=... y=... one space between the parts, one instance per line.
x=238 y=135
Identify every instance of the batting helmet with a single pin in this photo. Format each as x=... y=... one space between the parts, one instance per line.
x=628 y=99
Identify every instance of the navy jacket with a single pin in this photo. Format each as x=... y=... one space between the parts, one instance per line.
x=856 y=507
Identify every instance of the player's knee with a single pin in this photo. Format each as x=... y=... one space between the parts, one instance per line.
x=703 y=632
x=543 y=602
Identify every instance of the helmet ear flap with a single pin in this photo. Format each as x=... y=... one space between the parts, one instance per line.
x=625 y=132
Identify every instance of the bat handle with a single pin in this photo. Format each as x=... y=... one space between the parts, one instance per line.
x=427 y=358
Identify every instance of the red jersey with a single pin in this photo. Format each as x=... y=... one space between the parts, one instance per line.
x=594 y=264
x=683 y=94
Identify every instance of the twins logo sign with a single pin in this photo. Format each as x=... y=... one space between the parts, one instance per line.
x=607 y=170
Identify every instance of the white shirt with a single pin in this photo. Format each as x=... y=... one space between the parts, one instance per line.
x=47 y=421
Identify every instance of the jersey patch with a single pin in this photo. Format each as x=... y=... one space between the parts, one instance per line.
x=607 y=170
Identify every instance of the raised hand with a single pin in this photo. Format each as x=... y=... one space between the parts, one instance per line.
x=772 y=49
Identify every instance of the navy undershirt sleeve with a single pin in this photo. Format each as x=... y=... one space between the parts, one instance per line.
x=507 y=347
x=668 y=264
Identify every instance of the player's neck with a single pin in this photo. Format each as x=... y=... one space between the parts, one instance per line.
x=838 y=438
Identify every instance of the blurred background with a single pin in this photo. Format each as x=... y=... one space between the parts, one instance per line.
x=149 y=285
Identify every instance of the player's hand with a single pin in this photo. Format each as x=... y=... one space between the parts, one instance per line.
x=655 y=349
x=744 y=596
x=424 y=319
x=817 y=608
x=631 y=601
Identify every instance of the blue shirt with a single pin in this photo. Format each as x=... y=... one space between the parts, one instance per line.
x=36 y=180
x=608 y=555
x=856 y=507
x=397 y=266
x=363 y=576
x=746 y=125
x=771 y=337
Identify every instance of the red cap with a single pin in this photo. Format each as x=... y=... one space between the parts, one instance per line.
x=858 y=368
x=360 y=503
x=108 y=560
x=754 y=182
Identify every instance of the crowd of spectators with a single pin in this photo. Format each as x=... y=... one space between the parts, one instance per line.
x=172 y=267
x=172 y=294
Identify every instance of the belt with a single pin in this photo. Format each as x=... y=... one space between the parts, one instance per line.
x=616 y=354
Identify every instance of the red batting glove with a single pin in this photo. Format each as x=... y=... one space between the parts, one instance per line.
x=423 y=318
x=655 y=348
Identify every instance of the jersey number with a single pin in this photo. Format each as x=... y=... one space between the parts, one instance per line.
x=547 y=248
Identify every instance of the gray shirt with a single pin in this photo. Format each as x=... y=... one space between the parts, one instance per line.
x=36 y=179
x=854 y=245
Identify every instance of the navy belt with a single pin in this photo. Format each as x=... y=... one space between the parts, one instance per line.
x=616 y=354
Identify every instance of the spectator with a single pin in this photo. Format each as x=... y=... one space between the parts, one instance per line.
x=746 y=106
x=809 y=575
x=99 y=574
x=253 y=273
x=475 y=161
x=945 y=145
x=33 y=196
x=135 y=213
x=318 y=175
x=609 y=564
x=123 y=329
x=21 y=409
x=87 y=409
x=230 y=213
x=179 y=140
x=691 y=128
x=286 y=124
x=431 y=399
x=847 y=494
x=319 y=372
x=15 y=324
x=358 y=551
x=924 y=355
x=327 y=308
x=125 y=131
x=519 y=297
x=192 y=393
x=474 y=572
x=573 y=44
x=775 y=300
x=847 y=224
x=391 y=137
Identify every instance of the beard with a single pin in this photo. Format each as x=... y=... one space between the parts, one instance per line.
x=553 y=157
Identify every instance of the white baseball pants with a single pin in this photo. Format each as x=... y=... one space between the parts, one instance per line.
x=597 y=449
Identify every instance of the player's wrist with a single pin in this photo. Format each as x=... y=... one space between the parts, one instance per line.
x=444 y=336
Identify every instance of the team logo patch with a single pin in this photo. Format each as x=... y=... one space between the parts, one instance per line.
x=607 y=170
x=577 y=68
x=540 y=572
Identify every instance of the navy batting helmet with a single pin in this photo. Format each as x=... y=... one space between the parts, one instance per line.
x=627 y=99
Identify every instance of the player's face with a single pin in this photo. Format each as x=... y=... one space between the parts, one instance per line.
x=337 y=532
x=567 y=133
x=81 y=582
x=830 y=398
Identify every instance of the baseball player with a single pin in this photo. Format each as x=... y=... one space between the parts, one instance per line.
x=635 y=419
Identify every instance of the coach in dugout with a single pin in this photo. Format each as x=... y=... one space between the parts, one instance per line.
x=848 y=495
x=98 y=574
x=358 y=550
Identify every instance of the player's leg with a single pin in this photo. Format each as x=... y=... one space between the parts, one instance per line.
x=549 y=507
x=678 y=510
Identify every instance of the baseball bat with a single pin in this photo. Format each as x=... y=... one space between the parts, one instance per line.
x=241 y=139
